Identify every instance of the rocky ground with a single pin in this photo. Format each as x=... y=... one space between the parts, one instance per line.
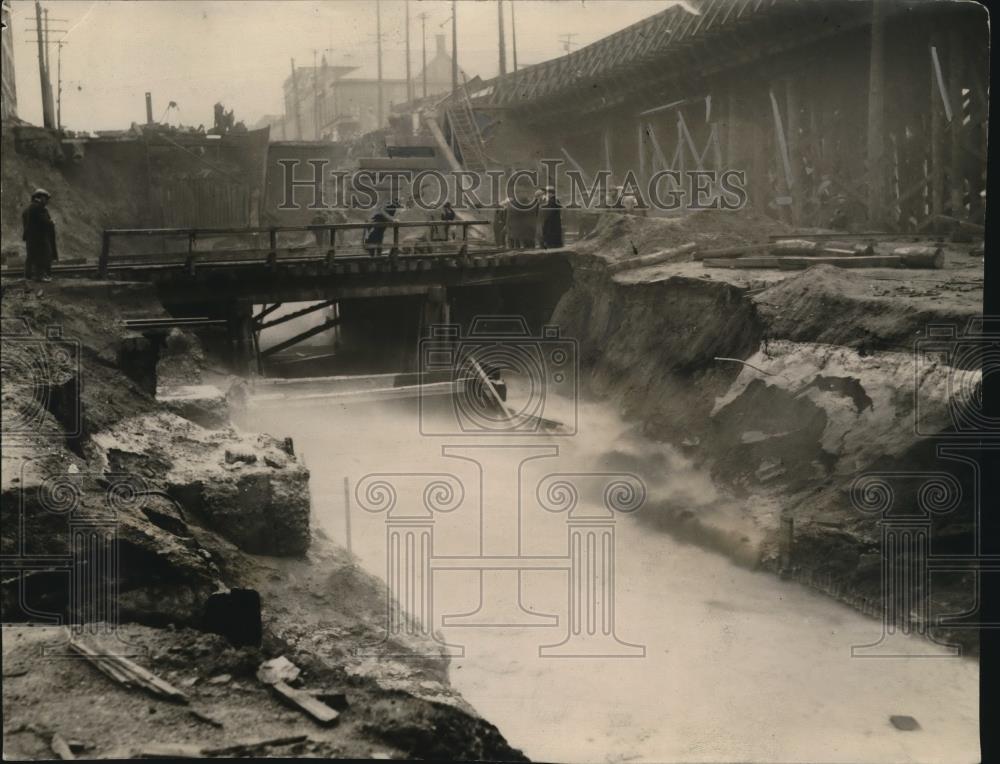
x=216 y=566
x=788 y=386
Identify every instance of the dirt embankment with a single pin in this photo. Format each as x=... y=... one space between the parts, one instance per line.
x=217 y=568
x=787 y=387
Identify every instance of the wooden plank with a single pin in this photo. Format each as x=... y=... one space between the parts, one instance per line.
x=61 y=748
x=654 y=258
x=126 y=672
x=305 y=702
x=845 y=261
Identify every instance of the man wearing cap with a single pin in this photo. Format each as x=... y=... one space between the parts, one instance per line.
x=376 y=232
x=550 y=213
x=39 y=235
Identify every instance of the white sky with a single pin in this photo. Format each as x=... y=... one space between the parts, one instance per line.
x=197 y=52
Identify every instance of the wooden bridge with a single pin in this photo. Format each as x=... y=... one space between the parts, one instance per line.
x=236 y=278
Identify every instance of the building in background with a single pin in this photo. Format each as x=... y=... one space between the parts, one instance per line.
x=340 y=101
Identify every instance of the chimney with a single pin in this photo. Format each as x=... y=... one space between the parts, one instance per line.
x=441 y=50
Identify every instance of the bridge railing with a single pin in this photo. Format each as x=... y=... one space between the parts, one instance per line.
x=264 y=243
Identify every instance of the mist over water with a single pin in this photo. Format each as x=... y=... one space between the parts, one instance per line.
x=738 y=665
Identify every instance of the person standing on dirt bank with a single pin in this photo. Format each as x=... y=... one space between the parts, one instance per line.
x=551 y=215
x=39 y=237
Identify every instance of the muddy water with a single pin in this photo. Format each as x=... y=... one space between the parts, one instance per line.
x=735 y=665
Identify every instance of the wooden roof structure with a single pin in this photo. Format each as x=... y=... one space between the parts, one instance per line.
x=676 y=45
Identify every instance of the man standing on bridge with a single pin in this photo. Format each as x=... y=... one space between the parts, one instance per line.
x=551 y=216
x=376 y=232
x=39 y=235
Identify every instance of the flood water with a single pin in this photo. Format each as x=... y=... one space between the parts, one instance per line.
x=734 y=665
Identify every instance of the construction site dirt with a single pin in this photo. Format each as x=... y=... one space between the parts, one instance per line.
x=296 y=466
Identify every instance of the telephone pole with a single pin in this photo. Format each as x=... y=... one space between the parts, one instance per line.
x=295 y=103
x=409 y=74
x=454 y=46
x=59 y=47
x=502 y=41
x=378 y=37
x=566 y=40
x=43 y=68
x=423 y=35
x=315 y=84
x=513 y=34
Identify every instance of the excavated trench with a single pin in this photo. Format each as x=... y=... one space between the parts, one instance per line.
x=748 y=408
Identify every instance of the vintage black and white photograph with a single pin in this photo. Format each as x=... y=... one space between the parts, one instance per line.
x=572 y=381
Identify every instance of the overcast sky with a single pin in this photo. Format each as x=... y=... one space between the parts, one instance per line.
x=197 y=52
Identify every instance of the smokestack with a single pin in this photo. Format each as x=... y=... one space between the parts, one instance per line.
x=149 y=108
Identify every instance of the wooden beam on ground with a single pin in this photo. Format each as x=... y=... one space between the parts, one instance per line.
x=654 y=258
x=794 y=263
x=127 y=673
x=307 y=703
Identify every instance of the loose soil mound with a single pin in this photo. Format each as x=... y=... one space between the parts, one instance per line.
x=617 y=236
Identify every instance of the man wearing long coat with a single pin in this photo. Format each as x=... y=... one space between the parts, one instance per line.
x=39 y=235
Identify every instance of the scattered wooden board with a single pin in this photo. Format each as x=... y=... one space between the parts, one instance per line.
x=127 y=673
x=305 y=702
x=171 y=751
x=655 y=258
x=792 y=263
x=61 y=748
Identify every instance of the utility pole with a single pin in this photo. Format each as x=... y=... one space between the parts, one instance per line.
x=409 y=75
x=513 y=33
x=315 y=84
x=43 y=71
x=378 y=38
x=423 y=35
x=502 y=41
x=295 y=102
x=567 y=41
x=454 y=46
x=59 y=47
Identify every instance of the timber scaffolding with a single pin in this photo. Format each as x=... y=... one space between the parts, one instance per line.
x=876 y=108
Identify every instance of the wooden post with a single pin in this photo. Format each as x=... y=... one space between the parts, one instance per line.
x=876 y=138
x=784 y=163
x=347 y=514
x=794 y=158
x=732 y=136
x=102 y=263
x=956 y=177
x=607 y=152
x=937 y=128
x=641 y=148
